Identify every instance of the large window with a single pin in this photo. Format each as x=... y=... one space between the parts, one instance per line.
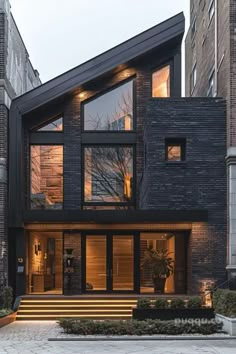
x=46 y=176
x=111 y=111
x=108 y=174
x=161 y=82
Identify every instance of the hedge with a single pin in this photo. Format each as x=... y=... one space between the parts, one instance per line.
x=138 y=328
x=224 y=302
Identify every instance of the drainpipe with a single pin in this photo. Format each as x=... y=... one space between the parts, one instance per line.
x=216 y=48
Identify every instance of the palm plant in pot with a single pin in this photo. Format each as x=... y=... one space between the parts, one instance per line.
x=161 y=266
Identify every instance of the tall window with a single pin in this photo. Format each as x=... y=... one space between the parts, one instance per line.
x=211 y=9
x=46 y=176
x=211 y=84
x=108 y=174
x=113 y=111
x=161 y=82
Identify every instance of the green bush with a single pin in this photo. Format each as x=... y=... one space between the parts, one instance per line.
x=177 y=303
x=224 y=302
x=194 y=302
x=5 y=312
x=7 y=297
x=160 y=303
x=134 y=327
x=144 y=303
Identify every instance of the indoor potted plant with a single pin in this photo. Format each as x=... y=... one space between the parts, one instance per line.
x=161 y=265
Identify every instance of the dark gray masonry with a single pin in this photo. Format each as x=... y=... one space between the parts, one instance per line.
x=197 y=183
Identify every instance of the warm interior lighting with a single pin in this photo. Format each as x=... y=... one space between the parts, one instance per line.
x=161 y=82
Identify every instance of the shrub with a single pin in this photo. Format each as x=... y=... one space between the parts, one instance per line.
x=160 y=303
x=224 y=302
x=177 y=303
x=144 y=303
x=133 y=327
x=7 y=296
x=194 y=302
x=5 y=312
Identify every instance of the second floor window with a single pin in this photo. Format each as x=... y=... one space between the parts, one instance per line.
x=46 y=167
x=111 y=111
x=108 y=174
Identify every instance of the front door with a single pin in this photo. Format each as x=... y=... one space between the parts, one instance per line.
x=108 y=263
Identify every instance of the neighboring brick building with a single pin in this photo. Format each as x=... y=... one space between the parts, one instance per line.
x=211 y=71
x=17 y=76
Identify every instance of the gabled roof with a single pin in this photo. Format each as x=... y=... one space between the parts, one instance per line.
x=169 y=30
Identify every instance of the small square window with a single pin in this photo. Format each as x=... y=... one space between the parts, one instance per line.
x=175 y=149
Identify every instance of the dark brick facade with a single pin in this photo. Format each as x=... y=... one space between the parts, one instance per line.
x=199 y=182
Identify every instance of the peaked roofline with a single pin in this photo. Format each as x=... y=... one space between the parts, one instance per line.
x=140 y=44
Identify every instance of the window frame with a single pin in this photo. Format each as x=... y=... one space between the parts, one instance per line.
x=29 y=179
x=102 y=93
x=133 y=198
x=159 y=67
x=176 y=142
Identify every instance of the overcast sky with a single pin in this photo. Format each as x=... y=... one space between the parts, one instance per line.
x=60 y=35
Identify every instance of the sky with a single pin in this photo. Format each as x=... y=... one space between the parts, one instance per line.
x=60 y=35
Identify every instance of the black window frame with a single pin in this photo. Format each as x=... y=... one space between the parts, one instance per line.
x=103 y=92
x=176 y=142
x=132 y=201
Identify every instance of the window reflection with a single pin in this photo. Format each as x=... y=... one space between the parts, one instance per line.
x=56 y=125
x=161 y=82
x=108 y=174
x=46 y=177
x=111 y=111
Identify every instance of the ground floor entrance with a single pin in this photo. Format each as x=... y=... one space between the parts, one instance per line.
x=104 y=261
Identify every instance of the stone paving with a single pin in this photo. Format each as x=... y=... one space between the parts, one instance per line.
x=32 y=338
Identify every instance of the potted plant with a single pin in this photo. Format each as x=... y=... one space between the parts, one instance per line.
x=161 y=265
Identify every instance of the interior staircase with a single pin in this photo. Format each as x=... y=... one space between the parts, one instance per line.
x=38 y=308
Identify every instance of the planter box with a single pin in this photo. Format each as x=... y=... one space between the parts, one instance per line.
x=7 y=319
x=229 y=324
x=172 y=314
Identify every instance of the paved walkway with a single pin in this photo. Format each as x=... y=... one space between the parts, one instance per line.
x=32 y=337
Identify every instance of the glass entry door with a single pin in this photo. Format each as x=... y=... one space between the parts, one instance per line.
x=108 y=263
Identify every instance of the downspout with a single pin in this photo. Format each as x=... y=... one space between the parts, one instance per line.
x=216 y=48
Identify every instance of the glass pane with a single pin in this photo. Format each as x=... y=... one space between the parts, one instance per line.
x=155 y=242
x=96 y=263
x=46 y=177
x=161 y=82
x=44 y=263
x=108 y=174
x=123 y=262
x=111 y=111
x=56 y=125
x=72 y=263
x=174 y=152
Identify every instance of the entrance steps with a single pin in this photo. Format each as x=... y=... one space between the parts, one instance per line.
x=38 y=308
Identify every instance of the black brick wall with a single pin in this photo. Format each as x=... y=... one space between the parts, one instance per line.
x=197 y=183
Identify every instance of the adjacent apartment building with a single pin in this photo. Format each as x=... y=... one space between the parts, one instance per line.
x=107 y=160
x=211 y=72
x=17 y=76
